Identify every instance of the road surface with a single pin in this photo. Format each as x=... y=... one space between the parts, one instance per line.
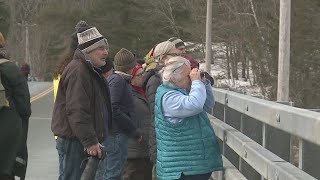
x=43 y=157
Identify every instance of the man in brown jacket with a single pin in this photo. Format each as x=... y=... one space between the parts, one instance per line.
x=82 y=114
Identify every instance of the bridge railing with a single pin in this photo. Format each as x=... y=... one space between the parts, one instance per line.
x=263 y=139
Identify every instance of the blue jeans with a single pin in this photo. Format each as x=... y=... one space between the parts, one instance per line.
x=71 y=154
x=111 y=168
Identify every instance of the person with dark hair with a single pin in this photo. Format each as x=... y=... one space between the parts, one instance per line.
x=15 y=110
x=64 y=60
x=82 y=114
x=108 y=68
x=66 y=57
x=140 y=61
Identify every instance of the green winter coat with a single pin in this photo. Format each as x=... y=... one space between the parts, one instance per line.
x=14 y=120
x=189 y=147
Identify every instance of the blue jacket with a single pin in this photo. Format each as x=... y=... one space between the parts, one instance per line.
x=188 y=146
x=122 y=106
x=177 y=106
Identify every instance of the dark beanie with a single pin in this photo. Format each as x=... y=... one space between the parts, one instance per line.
x=193 y=63
x=124 y=60
x=107 y=67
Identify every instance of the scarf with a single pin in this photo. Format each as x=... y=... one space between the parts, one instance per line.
x=140 y=91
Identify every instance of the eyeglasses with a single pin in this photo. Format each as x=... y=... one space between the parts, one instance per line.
x=140 y=74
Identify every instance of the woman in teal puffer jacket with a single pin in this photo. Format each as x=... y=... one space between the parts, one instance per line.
x=187 y=147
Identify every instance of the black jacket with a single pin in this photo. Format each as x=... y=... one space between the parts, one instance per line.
x=152 y=80
x=14 y=121
x=141 y=108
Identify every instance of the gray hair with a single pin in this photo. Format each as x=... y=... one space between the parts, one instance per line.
x=173 y=69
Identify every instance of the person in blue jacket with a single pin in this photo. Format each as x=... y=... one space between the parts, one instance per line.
x=187 y=147
x=124 y=118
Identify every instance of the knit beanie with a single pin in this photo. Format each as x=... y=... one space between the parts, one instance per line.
x=177 y=42
x=2 y=41
x=81 y=25
x=89 y=38
x=194 y=63
x=163 y=49
x=124 y=60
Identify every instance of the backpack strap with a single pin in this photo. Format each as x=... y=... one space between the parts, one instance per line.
x=3 y=100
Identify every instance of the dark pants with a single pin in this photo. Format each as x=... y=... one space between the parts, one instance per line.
x=140 y=168
x=71 y=154
x=6 y=177
x=196 y=177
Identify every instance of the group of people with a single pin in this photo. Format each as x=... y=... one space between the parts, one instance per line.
x=149 y=117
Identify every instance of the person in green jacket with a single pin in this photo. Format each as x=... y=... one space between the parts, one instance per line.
x=14 y=119
x=187 y=147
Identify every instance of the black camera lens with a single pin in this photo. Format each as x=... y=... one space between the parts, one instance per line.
x=202 y=74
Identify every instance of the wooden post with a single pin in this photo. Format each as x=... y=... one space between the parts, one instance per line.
x=284 y=51
x=208 y=36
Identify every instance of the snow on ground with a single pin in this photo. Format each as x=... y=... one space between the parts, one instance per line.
x=219 y=71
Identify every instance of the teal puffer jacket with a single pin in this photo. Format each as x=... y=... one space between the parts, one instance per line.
x=189 y=147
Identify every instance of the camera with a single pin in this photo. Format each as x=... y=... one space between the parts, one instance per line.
x=202 y=74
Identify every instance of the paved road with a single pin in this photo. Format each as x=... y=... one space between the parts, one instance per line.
x=43 y=158
x=38 y=87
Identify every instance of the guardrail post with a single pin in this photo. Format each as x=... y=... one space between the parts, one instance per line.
x=309 y=156
x=278 y=141
x=231 y=118
x=247 y=124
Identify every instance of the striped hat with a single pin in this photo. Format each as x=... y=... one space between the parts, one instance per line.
x=90 y=39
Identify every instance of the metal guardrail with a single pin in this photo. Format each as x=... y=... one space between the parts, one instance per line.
x=264 y=162
x=288 y=120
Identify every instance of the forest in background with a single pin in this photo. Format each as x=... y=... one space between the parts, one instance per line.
x=247 y=29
